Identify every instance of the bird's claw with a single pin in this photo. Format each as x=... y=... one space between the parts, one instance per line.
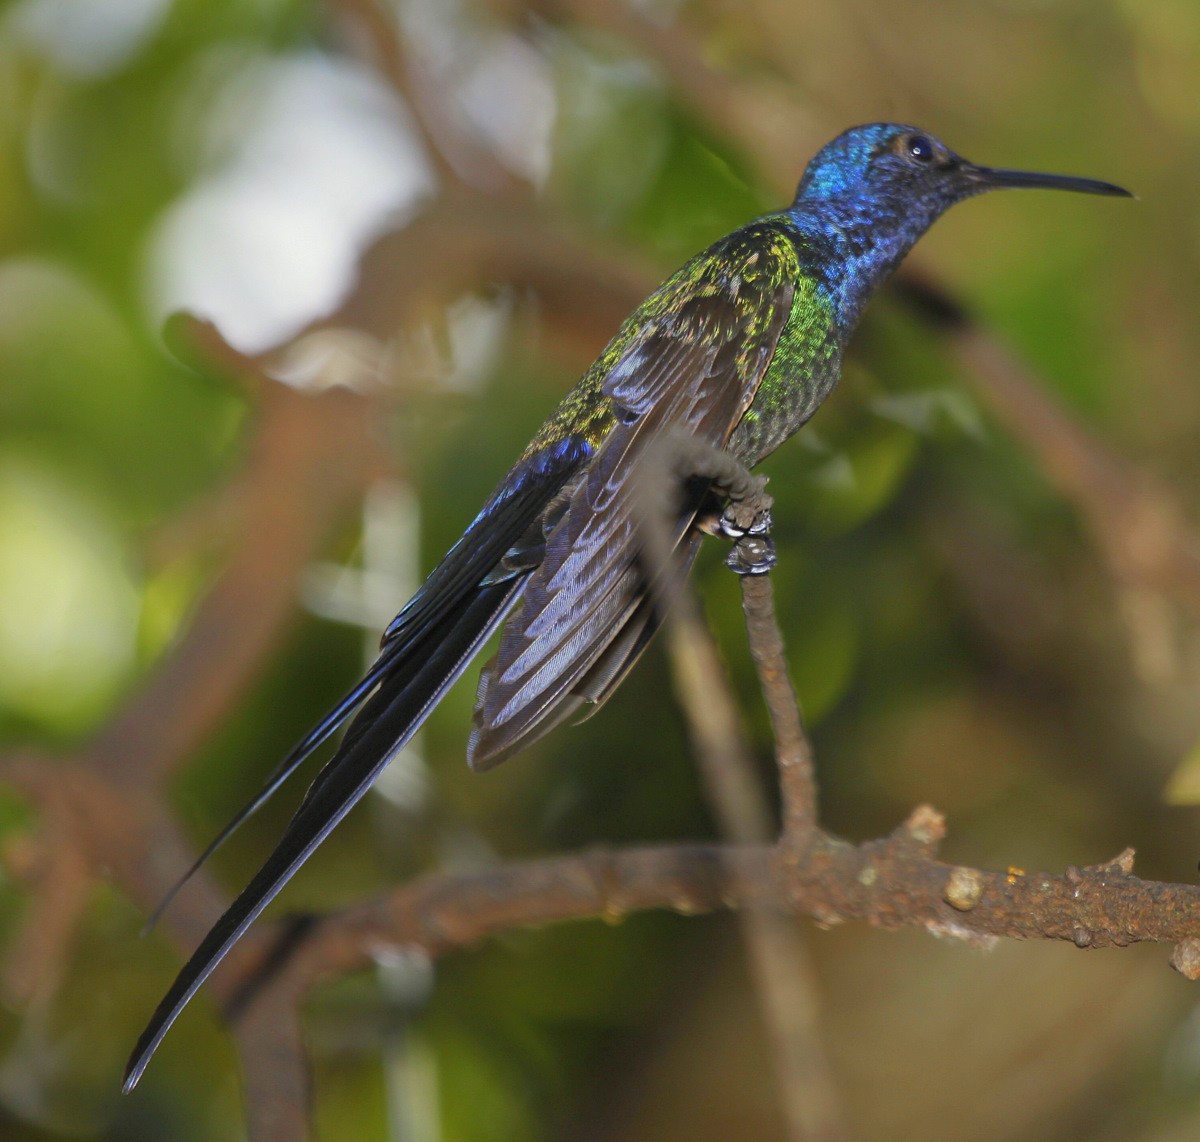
x=750 y=515
x=747 y=522
x=734 y=525
x=752 y=555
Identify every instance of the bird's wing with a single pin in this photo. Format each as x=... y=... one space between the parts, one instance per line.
x=582 y=618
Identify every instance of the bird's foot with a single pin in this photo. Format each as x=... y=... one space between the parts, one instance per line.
x=752 y=555
x=750 y=516
x=747 y=521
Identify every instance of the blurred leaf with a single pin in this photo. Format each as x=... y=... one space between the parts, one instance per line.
x=1183 y=786
x=67 y=602
x=853 y=485
x=611 y=130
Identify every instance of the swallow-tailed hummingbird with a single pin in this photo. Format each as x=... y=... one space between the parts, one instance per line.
x=733 y=352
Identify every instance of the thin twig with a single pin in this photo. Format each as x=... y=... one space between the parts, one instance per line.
x=782 y=968
x=785 y=964
x=786 y=983
x=793 y=751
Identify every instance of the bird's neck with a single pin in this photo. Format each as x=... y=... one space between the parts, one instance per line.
x=854 y=246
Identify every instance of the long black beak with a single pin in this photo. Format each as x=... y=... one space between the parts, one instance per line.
x=987 y=177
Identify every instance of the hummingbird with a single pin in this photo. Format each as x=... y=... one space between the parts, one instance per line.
x=733 y=353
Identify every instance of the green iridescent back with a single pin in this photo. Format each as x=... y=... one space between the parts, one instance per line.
x=802 y=371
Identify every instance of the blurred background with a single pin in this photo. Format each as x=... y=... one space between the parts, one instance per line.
x=413 y=225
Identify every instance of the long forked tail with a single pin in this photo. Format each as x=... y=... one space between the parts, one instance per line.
x=430 y=663
x=275 y=780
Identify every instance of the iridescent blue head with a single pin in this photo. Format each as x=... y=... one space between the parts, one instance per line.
x=874 y=190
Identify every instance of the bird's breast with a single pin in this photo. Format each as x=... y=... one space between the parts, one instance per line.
x=803 y=371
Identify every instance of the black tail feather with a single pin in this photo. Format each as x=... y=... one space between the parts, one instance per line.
x=299 y=753
x=388 y=720
x=424 y=650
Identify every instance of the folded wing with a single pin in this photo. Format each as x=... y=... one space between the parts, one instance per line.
x=584 y=615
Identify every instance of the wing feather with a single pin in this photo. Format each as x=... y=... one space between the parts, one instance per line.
x=696 y=369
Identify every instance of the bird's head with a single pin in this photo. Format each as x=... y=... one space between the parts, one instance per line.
x=874 y=190
x=902 y=169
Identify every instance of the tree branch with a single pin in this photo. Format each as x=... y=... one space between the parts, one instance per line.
x=793 y=751
x=891 y=882
x=784 y=975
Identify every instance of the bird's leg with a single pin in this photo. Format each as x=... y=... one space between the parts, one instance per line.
x=746 y=516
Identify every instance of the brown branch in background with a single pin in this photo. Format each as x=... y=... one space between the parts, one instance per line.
x=60 y=889
x=278 y=1089
x=1137 y=526
x=457 y=156
x=311 y=458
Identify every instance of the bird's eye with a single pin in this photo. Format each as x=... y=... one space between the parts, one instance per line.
x=918 y=149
